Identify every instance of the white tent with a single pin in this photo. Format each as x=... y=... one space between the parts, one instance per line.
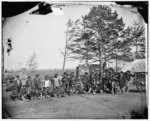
x=138 y=65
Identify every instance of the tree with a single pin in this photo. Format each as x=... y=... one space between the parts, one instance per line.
x=138 y=37
x=69 y=34
x=106 y=24
x=80 y=48
x=122 y=47
x=80 y=43
x=133 y=37
x=75 y=48
x=32 y=62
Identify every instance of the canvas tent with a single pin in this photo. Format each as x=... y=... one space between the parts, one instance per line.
x=138 y=65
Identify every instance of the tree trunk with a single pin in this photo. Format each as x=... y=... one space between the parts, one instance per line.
x=136 y=56
x=99 y=58
x=105 y=57
x=101 y=54
x=116 y=65
x=101 y=61
x=116 y=60
x=108 y=64
x=87 y=64
x=64 y=62
x=87 y=58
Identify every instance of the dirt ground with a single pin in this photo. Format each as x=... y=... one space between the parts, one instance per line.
x=87 y=106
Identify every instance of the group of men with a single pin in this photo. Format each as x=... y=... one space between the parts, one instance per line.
x=109 y=82
x=69 y=84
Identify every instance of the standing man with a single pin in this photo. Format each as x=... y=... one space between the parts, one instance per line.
x=46 y=82
x=29 y=83
x=18 y=86
x=65 y=80
x=122 y=82
x=56 y=81
x=72 y=80
x=86 y=80
x=37 y=85
x=29 y=86
x=56 y=85
x=128 y=77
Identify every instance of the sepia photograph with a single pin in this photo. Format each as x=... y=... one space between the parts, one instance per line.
x=74 y=59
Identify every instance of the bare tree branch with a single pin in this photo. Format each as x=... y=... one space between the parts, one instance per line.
x=32 y=62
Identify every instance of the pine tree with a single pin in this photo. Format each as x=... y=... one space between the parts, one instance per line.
x=68 y=34
x=106 y=25
x=138 y=36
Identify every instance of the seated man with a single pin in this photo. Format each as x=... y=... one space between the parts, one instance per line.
x=58 y=92
x=70 y=89
x=115 y=84
x=72 y=80
x=79 y=88
x=26 y=89
x=108 y=86
x=98 y=87
x=47 y=86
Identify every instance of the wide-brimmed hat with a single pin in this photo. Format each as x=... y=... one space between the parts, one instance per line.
x=29 y=76
x=17 y=76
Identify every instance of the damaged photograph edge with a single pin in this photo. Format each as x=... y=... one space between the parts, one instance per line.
x=104 y=101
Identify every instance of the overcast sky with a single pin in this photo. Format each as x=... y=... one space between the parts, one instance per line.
x=45 y=35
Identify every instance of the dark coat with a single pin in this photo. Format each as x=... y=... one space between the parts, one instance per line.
x=17 y=87
x=86 y=78
x=37 y=83
x=123 y=80
x=128 y=77
x=29 y=83
x=65 y=81
x=72 y=81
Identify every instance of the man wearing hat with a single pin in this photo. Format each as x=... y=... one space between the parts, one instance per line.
x=29 y=85
x=37 y=84
x=18 y=86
